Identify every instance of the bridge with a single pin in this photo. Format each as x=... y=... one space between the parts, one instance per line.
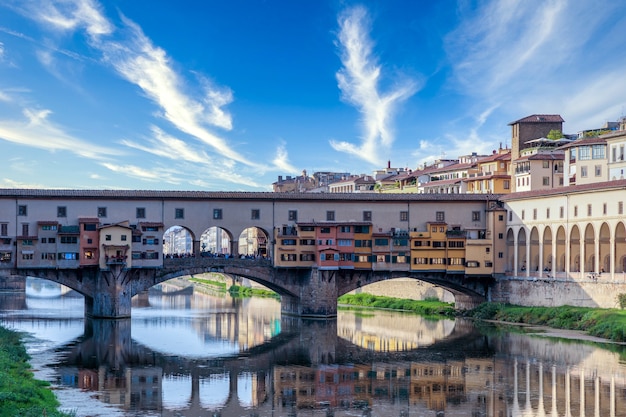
x=304 y=292
x=311 y=248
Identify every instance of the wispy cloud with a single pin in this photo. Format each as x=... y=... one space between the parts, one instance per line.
x=281 y=160
x=154 y=174
x=36 y=130
x=535 y=56
x=359 y=80
x=167 y=146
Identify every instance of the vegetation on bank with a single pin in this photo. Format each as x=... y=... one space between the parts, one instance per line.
x=428 y=307
x=219 y=284
x=605 y=323
x=239 y=291
x=21 y=395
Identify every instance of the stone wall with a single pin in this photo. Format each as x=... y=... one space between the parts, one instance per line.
x=409 y=288
x=552 y=293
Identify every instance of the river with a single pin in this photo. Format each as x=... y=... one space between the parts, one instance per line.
x=189 y=351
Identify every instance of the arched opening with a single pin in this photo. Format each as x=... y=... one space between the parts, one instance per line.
x=216 y=241
x=177 y=242
x=605 y=248
x=560 y=250
x=620 y=248
x=547 y=251
x=521 y=251
x=534 y=250
x=510 y=250
x=590 y=253
x=253 y=243
x=574 y=249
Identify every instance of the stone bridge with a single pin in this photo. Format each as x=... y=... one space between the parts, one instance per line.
x=306 y=292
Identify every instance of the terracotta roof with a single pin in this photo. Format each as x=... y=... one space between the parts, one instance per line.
x=540 y=118
x=582 y=188
x=58 y=194
x=543 y=156
x=584 y=142
x=350 y=223
x=437 y=183
x=151 y=224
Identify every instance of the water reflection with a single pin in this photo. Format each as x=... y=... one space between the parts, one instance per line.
x=186 y=353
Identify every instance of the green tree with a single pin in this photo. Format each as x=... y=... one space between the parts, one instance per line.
x=555 y=134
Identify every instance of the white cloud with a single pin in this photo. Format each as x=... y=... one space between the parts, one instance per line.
x=39 y=132
x=154 y=174
x=281 y=160
x=70 y=16
x=167 y=146
x=358 y=80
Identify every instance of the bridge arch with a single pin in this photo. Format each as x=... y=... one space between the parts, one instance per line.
x=522 y=250
x=547 y=255
x=254 y=241
x=574 y=249
x=178 y=241
x=604 y=248
x=217 y=241
x=560 y=250
x=510 y=245
x=534 y=249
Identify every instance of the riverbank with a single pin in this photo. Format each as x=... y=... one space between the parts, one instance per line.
x=238 y=291
x=430 y=307
x=608 y=324
x=21 y=395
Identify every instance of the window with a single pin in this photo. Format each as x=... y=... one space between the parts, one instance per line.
x=440 y=216
x=575 y=211
x=43 y=240
x=102 y=211
x=588 y=209
x=584 y=153
x=293 y=215
x=69 y=239
x=344 y=242
x=325 y=230
x=255 y=214
x=140 y=213
x=68 y=256
x=598 y=170
x=523 y=214
x=420 y=261
x=330 y=216
x=25 y=229
x=500 y=217
x=546 y=180
x=500 y=235
x=487 y=250
x=107 y=237
x=510 y=216
x=5 y=256
x=534 y=214
x=89 y=227
x=561 y=212
x=361 y=229
x=597 y=152
x=89 y=254
x=583 y=172
x=289 y=242
x=507 y=184
x=475 y=216
x=4 y=229
x=620 y=207
x=367 y=216
x=548 y=213
x=546 y=164
x=381 y=242
x=344 y=229
x=123 y=238
x=604 y=209
x=500 y=255
x=179 y=213
x=404 y=216
x=472 y=264
x=27 y=256
x=22 y=210
x=61 y=211
x=217 y=214
x=307 y=257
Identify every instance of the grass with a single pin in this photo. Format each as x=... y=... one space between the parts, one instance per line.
x=21 y=395
x=242 y=292
x=428 y=307
x=605 y=323
x=220 y=285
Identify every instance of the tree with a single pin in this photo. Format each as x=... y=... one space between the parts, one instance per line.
x=555 y=134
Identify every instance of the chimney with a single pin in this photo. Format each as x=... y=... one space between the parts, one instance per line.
x=388 y=164
x=280 y=178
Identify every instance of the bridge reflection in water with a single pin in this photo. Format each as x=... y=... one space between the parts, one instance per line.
x=376 y=364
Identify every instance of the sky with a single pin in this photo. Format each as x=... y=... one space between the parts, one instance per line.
x=215 y=95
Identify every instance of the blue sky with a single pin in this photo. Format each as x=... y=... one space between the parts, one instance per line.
x=227 y=95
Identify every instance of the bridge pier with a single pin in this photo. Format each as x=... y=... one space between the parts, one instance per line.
x=317 y=295
x=111 y=298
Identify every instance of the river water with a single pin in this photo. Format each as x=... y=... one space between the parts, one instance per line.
x=191 y=352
